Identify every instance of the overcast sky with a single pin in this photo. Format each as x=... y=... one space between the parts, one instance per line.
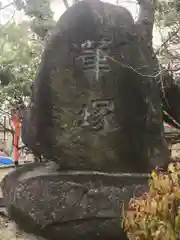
x=58 y=8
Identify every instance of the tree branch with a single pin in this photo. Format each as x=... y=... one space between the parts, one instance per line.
x=66 y=4
x=10 y=19
x=6 y=6
x=167 y=40
x=146 y=17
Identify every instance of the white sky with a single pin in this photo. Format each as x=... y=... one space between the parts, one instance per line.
x=58 y=8
x=129 y=4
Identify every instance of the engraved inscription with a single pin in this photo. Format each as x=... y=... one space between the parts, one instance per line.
x=97 y=115
x=93 y=57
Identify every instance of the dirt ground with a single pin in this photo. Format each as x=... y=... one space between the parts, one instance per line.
x=8 y=229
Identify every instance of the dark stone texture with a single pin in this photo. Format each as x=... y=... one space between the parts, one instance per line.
x=69 y=205
x=111 y=122
x=29 y=132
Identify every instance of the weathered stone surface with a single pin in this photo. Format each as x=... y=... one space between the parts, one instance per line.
x=28 y=132
x=69 y=205
x=106 y=119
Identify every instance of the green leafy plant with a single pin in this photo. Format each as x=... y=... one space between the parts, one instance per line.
x=19 y=60
x=156 y=214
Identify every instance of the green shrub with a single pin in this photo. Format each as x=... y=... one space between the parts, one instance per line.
x=156 y=214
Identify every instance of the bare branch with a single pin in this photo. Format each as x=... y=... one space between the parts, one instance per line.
x=11 y=18
x=6 y=6
x=133 y=69
x=167 y=40
x=172 y=119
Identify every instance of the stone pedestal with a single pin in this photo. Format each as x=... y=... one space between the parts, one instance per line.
x=69 y=205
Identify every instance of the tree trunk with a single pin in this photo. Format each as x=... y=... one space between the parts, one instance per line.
x=146 y=18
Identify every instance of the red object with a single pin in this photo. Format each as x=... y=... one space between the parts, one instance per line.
x=17 y=125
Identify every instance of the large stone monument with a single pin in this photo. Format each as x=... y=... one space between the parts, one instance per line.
x=96 y=102
x=95 y=111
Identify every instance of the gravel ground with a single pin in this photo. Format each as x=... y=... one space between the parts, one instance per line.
x=8 y=229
